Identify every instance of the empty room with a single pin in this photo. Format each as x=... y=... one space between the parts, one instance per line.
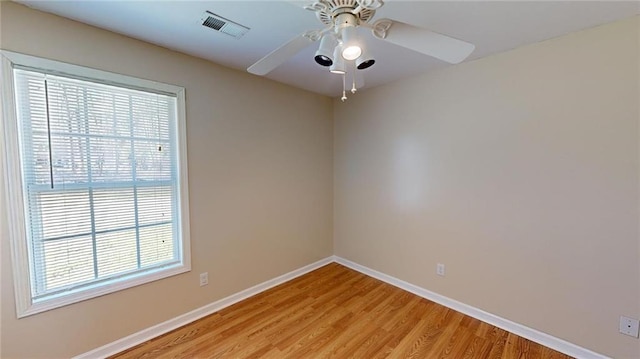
x=315 y=179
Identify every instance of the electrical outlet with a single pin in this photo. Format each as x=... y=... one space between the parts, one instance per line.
x=204 y=278
x=440 y=269
x=629 y=326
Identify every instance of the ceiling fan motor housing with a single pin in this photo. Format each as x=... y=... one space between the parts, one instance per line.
x=345 y=19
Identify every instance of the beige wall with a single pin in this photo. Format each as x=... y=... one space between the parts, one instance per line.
x=260 y=181
x=518 y=171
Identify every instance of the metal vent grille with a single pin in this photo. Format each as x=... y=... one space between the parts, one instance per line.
x=225 y=26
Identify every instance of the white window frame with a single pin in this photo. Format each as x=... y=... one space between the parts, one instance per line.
x=14 y=195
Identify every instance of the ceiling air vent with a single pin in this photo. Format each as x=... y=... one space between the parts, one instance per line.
x=223 y=25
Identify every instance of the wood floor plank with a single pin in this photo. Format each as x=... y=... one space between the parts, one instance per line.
x=478 y=348
x=335 y=312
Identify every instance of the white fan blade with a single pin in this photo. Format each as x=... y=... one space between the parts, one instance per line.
x=428 y=42
x=278 y=56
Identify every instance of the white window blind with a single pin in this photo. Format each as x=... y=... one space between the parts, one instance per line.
x=100 y=179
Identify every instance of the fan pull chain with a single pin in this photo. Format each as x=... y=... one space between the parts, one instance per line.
x=353 y=77
x=344 y=87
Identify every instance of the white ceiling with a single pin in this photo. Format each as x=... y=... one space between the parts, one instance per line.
x=492 y=26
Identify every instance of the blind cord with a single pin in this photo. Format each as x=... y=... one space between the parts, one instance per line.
x=46 y=96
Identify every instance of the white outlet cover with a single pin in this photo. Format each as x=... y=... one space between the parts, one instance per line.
x=204 y=278
x=629 y=326
x=440 y=269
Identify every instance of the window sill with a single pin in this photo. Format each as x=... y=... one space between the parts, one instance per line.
x=100 y=289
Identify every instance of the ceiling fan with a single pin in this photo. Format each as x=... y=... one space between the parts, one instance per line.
x=340 y=45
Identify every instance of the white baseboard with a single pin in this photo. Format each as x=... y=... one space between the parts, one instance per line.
x=171 y=324
x=518 y=329
x=174 y=323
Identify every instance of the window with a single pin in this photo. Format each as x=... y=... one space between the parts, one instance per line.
x=99 y=163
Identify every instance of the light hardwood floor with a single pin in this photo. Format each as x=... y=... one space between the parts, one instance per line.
x=339 y=313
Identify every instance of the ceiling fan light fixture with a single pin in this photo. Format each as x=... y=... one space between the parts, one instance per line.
x=324 y=56
x=351 y=50
x=365 y=64
x=365 y=60
x=339 y=65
